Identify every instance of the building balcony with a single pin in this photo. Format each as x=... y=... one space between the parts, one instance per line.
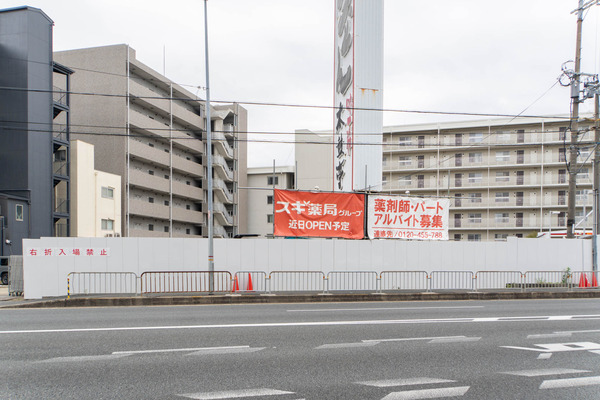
x=188 y=216
x=143 y=179
x=188 y=167
x=146 y=209
x=188 y=191
x=142 y=151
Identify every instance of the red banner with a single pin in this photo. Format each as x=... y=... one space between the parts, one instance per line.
x=310 y=214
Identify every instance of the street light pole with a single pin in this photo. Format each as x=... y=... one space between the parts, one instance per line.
x=209 y=219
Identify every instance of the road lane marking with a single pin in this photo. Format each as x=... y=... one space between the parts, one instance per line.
x=226 y=351
x=544 y=356
x=297 y=324
x=345 y=345
x=455 y=340
x=431 y=339
x=104 y=357
x=234 y=394
x=570 y=382
x=179 y=350
x=559 y=347
x=385 y=309
x=405 y=382
x=549 y=335
x=427 y=393
x=545 y=372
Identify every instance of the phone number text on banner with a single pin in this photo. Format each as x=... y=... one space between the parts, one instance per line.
x=309 y=214
x=395 y=217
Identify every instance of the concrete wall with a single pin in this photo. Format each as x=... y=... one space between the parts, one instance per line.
x=46 y=276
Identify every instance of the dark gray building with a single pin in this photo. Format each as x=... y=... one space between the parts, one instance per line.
x=34 y=126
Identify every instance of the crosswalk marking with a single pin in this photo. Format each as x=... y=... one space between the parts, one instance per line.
x=428 y=393
x=559 y=347
x=234 y=394
x=545 y=372
x=544 y=356
x=416 y=338
x=405 y=382
x=570 y=382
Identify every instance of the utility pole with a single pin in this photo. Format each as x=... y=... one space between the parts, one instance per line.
x=209 y=219
x=574 y=126
x=596 y=180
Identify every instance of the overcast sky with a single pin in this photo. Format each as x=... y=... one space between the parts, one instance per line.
x=473 y=56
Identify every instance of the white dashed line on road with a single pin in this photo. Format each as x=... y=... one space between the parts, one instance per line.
x=345 y=345
x=544 y=356
x=570 y=382
x=405 y=382
x=428 y=393
x=104 y=357
x=384 y=309
x=545 y=372
x=234 y=394
x=193 y=349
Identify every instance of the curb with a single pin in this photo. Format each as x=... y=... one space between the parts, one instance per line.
x=296 y=298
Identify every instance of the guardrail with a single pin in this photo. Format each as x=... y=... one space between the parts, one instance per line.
x=297 y=281
x=164 y=282
x=185 y=282
x=87 y=283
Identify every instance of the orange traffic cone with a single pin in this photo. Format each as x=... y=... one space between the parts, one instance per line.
x=236 y=286
x=583 y=281
x=250 y=288
x=594 y=279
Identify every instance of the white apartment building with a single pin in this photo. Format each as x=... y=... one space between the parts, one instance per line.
x=505 y=177
x=261 y=182
x=95 y=197
x=151 y=132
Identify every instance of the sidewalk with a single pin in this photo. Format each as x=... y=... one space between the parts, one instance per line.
x=170 y=300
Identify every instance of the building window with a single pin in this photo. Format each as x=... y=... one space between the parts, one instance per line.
x=502 y=176
x=583 y=173
x=107 y=192
x=384 y=161
x=150 y=172
x=107 y=224
x=166 y=202
x=151 y=144
x=166 y=229
x=457 y=237
x=581 y=196
x=475 y=137
x=502 y=156
x=562 y=133
x=166 y=176
x=150 y=199
x=404 y=141
x=150 y=227
x=187 y=231
x=503 y=136
x=405 y=180
x=188 y=207
x=475 y=218
x=584 y=154
x=474 y=237
x=405 y=160
x=501 y=218
x=562 y=155
x=500 y=237
x=269 y=199
x=269 y=218
x=273 y=180
x=502 y=197
x=475 y=157
x=475 y=197
x=475 y=177
x=19 y=212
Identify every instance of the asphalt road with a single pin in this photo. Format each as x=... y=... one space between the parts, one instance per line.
x=548 y=349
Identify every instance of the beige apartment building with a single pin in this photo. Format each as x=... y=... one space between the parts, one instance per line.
x=150 y=131
x=261 y=182
x=504 y=177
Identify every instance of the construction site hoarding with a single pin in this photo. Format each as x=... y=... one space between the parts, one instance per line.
x=358 y=95
x=396 y=217
x=319 y=214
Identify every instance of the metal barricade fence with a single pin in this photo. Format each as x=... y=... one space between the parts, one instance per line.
x=185 y=282
x=498 y=280
x=556 y=280
x=250 y=281
x=15 y=275
x=86 y=283
x=403 y=280
x=451 y=280
x=585 y=280
x=296 y=281
x=352 y=281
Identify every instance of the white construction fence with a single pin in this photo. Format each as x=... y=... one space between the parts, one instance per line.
x=108 y=265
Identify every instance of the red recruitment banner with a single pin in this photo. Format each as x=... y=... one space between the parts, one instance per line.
x=310 y=214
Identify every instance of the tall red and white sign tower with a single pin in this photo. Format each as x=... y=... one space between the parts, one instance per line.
x=358 y=81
